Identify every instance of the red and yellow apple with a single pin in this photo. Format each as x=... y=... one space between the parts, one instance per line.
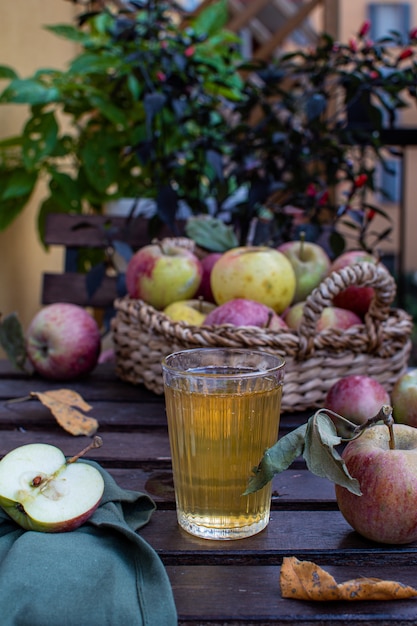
x=41 y=490
x=356 y=397
x=386 y=511
x=63 y=341
x=244 y=312
x=404 y=398
x=331 y=317
x=255 y=273
x=163 y=273
x=207 y=264
x=355 y=298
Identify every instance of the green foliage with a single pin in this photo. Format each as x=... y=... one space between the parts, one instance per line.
x=138 y=113
x=151 y=109
x=308 y=160
x=317 y=442
x=12 y=340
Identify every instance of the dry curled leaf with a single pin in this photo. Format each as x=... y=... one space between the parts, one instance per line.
x=64 y=405
x=304 y=580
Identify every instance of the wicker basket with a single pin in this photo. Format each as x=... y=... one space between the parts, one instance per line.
x=379 y=347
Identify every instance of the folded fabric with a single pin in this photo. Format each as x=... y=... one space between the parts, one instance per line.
x=101 y=574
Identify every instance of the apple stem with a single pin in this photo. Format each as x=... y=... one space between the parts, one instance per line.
x=302 y=241
x=22 y=399
x=97 y=442
x=269 y=320
x=43 y=481
x=384 y=415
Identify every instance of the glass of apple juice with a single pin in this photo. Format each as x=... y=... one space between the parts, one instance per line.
x=223 y=409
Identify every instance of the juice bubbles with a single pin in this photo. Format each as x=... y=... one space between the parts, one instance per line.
x=223 y=408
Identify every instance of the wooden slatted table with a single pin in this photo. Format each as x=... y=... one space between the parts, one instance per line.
x=217 y=582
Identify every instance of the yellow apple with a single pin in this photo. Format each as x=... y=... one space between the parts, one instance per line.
x=256 y=273
x=191 y=311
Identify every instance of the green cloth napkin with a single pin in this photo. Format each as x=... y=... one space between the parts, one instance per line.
x=102 y=574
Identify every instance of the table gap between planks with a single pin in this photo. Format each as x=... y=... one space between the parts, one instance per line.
x=217 y=582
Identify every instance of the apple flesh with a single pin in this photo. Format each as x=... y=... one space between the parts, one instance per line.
x=63 y=341
x=356 y=397
x=163 y=273
x=255 y=273
x=42 y=491
x=244 y=312
x=310 y=263
x=404 y=399
x=386 y=511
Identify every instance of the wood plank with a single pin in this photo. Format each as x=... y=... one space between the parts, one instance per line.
x=204 y=594
x=294 y=489
x=95 y=231
x=94 y=387
x=115 y=416
x=150 y=449
x=72 y=287
x=321 y=536
x=276 y=39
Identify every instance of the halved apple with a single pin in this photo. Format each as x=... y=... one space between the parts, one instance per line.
x=42 y=490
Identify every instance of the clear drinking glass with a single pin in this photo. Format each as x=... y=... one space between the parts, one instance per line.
x=223 y=408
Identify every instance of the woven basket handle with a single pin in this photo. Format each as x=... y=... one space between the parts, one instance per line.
x=361 y=275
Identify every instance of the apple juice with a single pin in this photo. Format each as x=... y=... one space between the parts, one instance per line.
x=217 y=436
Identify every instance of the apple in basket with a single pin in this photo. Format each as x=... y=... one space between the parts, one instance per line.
x=244 y=312
x=355 y=298
x=42 y=490
x=192 y=312
x=256 y=273
x=331 y=317
x=63 y=341
x=387 y=509
x=162 y=273
x=207 y=264
x=310 y=262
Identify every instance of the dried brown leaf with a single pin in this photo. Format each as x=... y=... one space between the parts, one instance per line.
x=64 y=405
x=304 y=580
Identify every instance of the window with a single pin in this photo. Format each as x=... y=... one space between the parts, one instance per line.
x=389 y=16
x=389 y=182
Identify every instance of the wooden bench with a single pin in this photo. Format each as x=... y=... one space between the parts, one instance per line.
x=75 y=232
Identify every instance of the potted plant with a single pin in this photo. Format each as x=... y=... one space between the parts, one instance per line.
x=140 y=112
x=150 y=109
x=305 y=161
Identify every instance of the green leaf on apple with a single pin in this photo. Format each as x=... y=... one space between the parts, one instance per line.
x=316 y=441
x=12 y=340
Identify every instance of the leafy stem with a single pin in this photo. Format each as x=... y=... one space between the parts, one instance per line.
x=316 y=441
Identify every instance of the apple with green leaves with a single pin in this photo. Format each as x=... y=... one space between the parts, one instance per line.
x=386 y=511
x=42 y=490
